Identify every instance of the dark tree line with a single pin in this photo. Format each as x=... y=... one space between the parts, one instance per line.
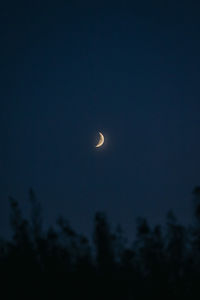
x=162 y=262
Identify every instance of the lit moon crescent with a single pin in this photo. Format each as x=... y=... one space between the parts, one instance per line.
x=101 y=140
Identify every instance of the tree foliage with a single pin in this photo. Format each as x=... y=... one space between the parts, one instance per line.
x=162 y=261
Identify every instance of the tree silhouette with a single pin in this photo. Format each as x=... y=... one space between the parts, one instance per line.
x=162 y=262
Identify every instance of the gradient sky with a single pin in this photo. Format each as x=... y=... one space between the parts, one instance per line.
x=129 y=70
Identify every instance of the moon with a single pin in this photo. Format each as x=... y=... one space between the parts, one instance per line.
x=101 y=140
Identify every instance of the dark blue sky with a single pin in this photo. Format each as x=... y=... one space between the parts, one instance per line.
x=129 y=70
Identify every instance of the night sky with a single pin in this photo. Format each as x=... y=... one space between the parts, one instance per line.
x=72 y=68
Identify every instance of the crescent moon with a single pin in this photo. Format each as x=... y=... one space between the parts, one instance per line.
x=101 y=140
